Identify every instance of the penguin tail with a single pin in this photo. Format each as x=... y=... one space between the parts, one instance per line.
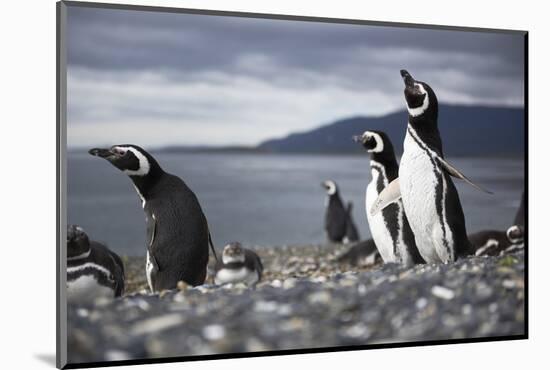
x=212 y=246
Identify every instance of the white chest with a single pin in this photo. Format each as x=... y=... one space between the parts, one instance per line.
x=86 y=289
x=240 y=275
x=378 y=227
x=419 y=180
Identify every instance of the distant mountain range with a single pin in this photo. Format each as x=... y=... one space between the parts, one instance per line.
x=465 y=131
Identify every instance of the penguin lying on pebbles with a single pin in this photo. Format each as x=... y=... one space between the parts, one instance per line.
x=177 y=230
x=496 y=242
x=335 y=213
x=429 y=196
x=238 y=265
x=93 y=271
x=360 y=254
x=389 y=228
x=352 y=235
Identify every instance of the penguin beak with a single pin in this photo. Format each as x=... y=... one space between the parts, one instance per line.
x=99 y=152
x=323 y=185
x=357 y=138
x=407 y=78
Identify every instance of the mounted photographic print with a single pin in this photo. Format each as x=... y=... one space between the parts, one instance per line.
x=235 y=184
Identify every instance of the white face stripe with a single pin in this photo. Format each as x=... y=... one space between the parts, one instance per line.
x=89 y=265
x=379 y=147
x=509 y=236
x=490 y=243
x=80 y=256
x=228 y=259
x=331 y=187
x=415 y=112
x=144 y=165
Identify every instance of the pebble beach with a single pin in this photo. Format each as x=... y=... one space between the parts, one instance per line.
x=306 y=299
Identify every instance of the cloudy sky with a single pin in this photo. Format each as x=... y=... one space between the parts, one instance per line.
x=159 y=78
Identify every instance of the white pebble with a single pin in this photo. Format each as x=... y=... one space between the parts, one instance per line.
x=82 y=312
x=276 y=283
x=442 y=292
x=319 y=297
x=289 y=283
x=116 y=355
x=265 y=306
x=509 y=284
x=357 y=331
x=156 y=324
x=421 y=303
x=213 y=332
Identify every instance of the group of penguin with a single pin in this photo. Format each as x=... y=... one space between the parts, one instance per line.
x=178 y=238
x=413 y=208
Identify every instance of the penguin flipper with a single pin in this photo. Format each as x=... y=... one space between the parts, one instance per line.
x=390 y=194
x=153 y=230
x=212 y=246
x=456 y=173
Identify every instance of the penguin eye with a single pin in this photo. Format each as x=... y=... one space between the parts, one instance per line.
x=118 y=152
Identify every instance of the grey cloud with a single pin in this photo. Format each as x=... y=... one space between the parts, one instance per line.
x=133 y=68
x=123 y=39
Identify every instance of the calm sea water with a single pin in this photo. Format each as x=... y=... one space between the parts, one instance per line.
x=266 y=199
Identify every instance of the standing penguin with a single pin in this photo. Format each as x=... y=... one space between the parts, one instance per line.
x=352 y=235
x=390 y=228
x=93 y=271
x=429 y=196
x=177 y=230
x=335 y=214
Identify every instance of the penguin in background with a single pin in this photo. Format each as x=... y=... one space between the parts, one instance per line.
x=363 y=253
x=335 y=213
x=389 y=228
x=238 y=265
x=352 y=235
x=177 y=229
x=93 y=271
x=519 y=220
x=429 y=196
x=496 y=242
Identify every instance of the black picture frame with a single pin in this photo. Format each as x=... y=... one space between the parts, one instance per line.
x=61 y=167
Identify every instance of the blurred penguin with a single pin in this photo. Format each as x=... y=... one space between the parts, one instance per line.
x=238 y=265
x=93 y=271
x=363 y=253
x=335 y=213
x=497 y=242
x=352 y=235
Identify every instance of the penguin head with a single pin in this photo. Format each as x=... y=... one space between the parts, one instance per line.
x=515 y=234
x=78 y=243
x=372 y=141
x=420 y=98
x=330 y=186
x=377 y=143
x=233 y=252
x=130 y=159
